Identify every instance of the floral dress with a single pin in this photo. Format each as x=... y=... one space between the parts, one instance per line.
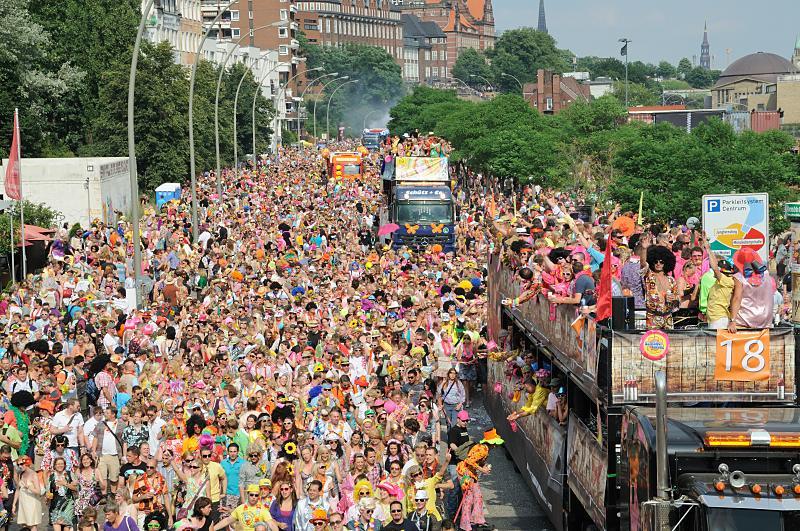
x=659 y=311
x=87 y=487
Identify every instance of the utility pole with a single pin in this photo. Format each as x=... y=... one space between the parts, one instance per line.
x=624 y=51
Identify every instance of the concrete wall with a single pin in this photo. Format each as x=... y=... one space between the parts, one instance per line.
x=789 y=98
x=81 y=189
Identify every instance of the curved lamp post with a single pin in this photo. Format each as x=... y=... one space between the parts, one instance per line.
x=489 y=85
x=328 y=112
x=303 y=97
x=255 y=97
x=134 y=178
x=323 y=92
x=192 y=76
x=216 y=98
x=236 y=118
x=282 y=95
x=521 y=88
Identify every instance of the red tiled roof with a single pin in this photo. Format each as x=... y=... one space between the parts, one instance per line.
x=451 y=21
x=475 y=8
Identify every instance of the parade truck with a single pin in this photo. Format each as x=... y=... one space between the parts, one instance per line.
x=373 y=139
x=345 y=165
x=659 y=430
x=419 y=200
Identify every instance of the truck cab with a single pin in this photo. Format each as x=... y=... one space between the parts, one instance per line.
x=420 y=201
x=372 y=139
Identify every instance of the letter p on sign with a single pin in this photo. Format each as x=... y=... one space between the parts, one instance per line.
x=742 y=357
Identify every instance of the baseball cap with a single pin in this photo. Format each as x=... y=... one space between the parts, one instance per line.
x=421 y=495
x=463 y=415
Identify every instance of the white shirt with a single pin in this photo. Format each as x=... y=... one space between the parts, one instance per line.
x=64 y=418
x=88 y=430
x=110 y=342
x=155 y=432
x=109 y=441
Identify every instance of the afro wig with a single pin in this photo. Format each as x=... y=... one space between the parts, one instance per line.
x=195 y=420
x=660 y=253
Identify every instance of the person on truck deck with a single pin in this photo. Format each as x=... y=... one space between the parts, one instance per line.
x=581 y=288
x=718 y=300
x=536 y=395
x=753 y=293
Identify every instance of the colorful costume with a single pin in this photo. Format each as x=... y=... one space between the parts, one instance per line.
x=472 y=509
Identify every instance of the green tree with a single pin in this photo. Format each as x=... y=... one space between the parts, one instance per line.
x=380 y=83
x=520 y=52
x=666 y=70
x=699 y=77
x=471 y=66
x=684 y=67
x=37 y=214
x=638 y=95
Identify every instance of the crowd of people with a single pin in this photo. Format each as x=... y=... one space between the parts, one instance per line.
x=279 y=373
x=670 y=273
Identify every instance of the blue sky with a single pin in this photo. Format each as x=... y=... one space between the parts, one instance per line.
x=661 y=30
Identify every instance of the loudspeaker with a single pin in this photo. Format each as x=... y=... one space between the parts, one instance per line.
x=623 y=313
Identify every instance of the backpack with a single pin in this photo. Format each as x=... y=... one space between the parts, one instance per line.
x=92 y=392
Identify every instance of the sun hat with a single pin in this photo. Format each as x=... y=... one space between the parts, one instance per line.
x=252 y=489
x=319 y=515
x=491 y=437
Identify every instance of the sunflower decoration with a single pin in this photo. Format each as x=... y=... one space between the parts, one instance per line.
x=288 y=450
x=290 y=469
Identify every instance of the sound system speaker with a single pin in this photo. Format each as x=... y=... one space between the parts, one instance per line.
x=623 y=316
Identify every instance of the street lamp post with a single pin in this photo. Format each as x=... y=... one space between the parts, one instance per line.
x=255 y=97
x=515 y=78
x=303 y=96
x=489 y=85
x=216 y=99
x=328 y=111
x=282 y=95
x=134 y=178
x=317 y=99
x=192 y=76
x=626 y=41
x=236 y=118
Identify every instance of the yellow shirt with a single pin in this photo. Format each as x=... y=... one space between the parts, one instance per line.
x=216 y=475
x=249 y=515
x=536 y=400
x=719 y=299
x=430 y=488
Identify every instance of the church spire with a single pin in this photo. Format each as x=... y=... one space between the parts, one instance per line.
x=542 y=20
x=705 y=50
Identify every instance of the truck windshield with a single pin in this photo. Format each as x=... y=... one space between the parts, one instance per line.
x=352 y=169
x=424 y=212
x=724 y=519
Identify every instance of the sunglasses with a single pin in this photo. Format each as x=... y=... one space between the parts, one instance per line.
x=151 y=467
x=335 y=522
x=395 y=511
x=194 y=466
x=420 y=500
x=205 y=456
x=319 y=524
x=370 y=510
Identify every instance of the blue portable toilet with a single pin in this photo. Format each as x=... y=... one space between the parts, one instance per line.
x=167 y=192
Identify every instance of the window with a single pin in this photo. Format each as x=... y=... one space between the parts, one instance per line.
x=427 y=55
x=250 y=15
x=427 y=72
x=310 y=25
x=283 y=33
x=435 y=72
x=327 y=25
x=435 y=55
x=283 y=49
x=284 y=14
x=548 y=103
x=235 y=33
x=234 y=16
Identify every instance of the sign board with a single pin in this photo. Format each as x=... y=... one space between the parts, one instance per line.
x=587 y=466
x=733 y=221
x=430 y=169
x=792 y=210
x=742 y=357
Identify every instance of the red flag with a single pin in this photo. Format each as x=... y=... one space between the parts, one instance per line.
x=604 y=290
x=12 y=170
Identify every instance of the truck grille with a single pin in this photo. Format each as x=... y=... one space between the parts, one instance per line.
x=424 y=240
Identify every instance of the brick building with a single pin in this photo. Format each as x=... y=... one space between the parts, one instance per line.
x=467 y=23
x=551 y=93
x=424 y=51
x=368 y=22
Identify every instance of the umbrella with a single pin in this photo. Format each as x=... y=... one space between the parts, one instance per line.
x=388 y=229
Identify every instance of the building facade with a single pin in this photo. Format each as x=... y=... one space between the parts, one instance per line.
x=368 y=22
x=552 y=93
x=751 y=83
x=424 y=51
x=164 y=24
x=467 y=23
x=191 y=30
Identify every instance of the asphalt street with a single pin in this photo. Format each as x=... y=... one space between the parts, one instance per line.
x=509 y=501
